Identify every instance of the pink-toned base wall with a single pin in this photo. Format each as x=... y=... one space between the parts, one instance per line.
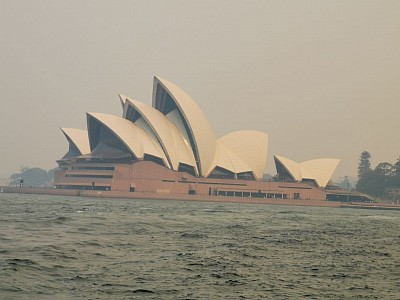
x=145 y=177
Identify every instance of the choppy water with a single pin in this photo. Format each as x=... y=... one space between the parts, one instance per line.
x=82 y=248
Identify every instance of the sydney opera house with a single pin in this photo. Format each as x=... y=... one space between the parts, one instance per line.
x=170 y=148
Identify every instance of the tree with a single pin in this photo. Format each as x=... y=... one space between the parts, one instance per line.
x=396 y=174
x=364 y=167
x=32 y=177
x=382 y=182
x=370 y=184
x=396 y=167
x=384 y=169
x=15 y=179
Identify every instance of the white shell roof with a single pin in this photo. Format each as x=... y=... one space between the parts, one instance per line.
x=133 y=137
x=291 y=166
x=79 y=137
x=200 y=129
x=250 y=147
x=226 y=159
x=174 y=145
x=320 y=170
x=176 y=130
x=174 y=118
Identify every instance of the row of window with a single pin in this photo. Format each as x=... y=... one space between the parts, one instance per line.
x=93 y=168
x=252 y=194
x=84 y=187
x=88 y=176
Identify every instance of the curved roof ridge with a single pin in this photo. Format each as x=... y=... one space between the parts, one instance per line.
x=199 y=130
x=186 y=155
x=79 y=137
x=321 y=169
x=251 y=146
x=228 y=160
x=136 y=140
x=291 y=167
x=168 y=135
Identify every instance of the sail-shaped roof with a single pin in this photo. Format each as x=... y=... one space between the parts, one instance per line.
x=167 y=97
x=290 y=166
x=135 y=139
x=320 y=170
x=172 y=142
x=79 y=138
x=174 y=131
x=250 y=147
x=226 y=159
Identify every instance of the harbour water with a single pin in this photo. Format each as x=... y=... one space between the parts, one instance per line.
x=54 y=247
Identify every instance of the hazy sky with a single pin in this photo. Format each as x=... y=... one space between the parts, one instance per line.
x=322 y=78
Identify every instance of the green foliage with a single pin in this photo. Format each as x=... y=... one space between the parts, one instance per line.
x=32 y=177
x=373 y=184
x=364 y=167
x=380 y=181
x=396 y=172
x=397 y=164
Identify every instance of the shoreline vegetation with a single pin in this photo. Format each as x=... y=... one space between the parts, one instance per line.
x=382 y=182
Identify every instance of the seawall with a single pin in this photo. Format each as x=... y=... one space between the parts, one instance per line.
x=159 y=196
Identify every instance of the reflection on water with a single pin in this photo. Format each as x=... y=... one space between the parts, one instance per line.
x=70 y=248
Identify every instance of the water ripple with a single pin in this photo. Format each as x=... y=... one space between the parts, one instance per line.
x=81 y=248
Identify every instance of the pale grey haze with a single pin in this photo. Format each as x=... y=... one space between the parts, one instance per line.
x=322 y=78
